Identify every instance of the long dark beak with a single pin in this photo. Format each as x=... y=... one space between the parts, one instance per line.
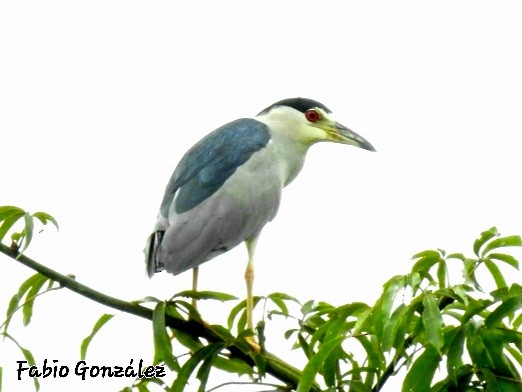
x=345 y=135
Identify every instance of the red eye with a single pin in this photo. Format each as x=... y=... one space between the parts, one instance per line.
x=312 y=115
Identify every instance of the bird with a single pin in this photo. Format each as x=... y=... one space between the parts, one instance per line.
x=228 y=186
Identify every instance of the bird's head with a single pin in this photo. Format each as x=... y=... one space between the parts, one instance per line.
x=308 y=121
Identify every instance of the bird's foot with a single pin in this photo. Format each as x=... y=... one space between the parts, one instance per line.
x=251 y=340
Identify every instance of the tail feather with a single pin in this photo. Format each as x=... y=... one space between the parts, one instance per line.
x=152 y=253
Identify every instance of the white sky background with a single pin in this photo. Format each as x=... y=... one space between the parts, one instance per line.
x=99 y=100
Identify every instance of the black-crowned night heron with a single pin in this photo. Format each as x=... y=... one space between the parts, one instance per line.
x=228 y=186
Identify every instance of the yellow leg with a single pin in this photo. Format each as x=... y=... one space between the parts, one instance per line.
x=249 y=278
x=195 y=274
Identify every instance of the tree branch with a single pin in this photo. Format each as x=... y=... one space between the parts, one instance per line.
x=275 y=366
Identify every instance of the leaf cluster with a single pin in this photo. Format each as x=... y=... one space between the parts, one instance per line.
x=24 y=300
x=439 y=328
x=424 y=323
x=10 y=215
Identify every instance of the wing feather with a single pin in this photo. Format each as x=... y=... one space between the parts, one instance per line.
x=198 y=176
x=208 y=164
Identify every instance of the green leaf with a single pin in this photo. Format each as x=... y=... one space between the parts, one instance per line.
x=201 y=295
x=45 y=217
x=476 y=348
x=442 y=273
x=336 y=327
x=162 y=343
x=189 y=309
x=276 y=312
x=360 y=324
x=232 y=365
x=495 y=272
x=234 y=312
x=392 y=326
x=322 y=308
x=284 y=297
x=383 y=306
x=241 y=323
x=290 y=332
x=421 y=373
x=455 y=350
x=485 y=236
x=316 y=362
x=240 y=309
x=188 y=368
x=319 y=333
x=515 y=290
x=188 y=341
x=475 y=307
x=470 y=267
x=375 y=357
x=509 y=335
x=142 y=387
x=518 y=322
x=461 y=292
x=15 y=299
x=9 y=215
x=260 y=362
x=8 y=222
x=208 y=362
x=358 y=386
x=8 y=211
x=425 y=263
x=97 y=326
x=505 y=258
x=459 y=381
x=281 y=305
x=279 y=300
x=28 y=357
x=515 y=353
x=27 y=309
x=458 y=256
x=432 y=320
x=145 y=300
x=304 y=346
x=223 y=333
x=337 y=324
x=331 y=366
x=353 y=309
x=313 y=322
x=413 y=280
x=355 y=371
x=307 y=307
x=406 y=327
x=494 y=344
x=155 y=380
x=514 y=240
x=500 y=384
x=506 y=309
x=426 y=253
x=28 y=231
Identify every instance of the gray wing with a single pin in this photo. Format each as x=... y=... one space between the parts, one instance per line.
x=208 y=164
x=199 y=219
